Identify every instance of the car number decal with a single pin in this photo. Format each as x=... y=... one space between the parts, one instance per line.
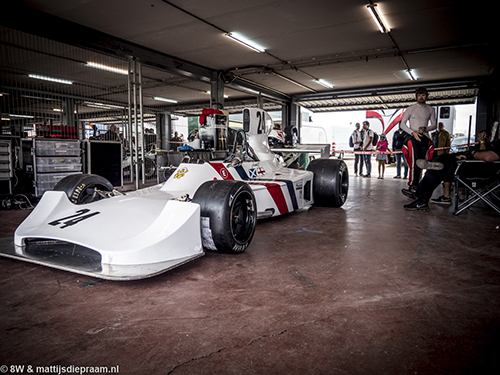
x=74 y=219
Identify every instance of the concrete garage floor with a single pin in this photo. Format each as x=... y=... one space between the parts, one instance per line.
x=365 y=289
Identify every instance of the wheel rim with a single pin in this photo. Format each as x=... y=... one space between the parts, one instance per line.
x=89 y=194
x=242 y=217
x=149 y=167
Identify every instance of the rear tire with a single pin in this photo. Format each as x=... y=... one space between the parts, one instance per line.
x=228 y=215
x=82 y=188
x=330 y=183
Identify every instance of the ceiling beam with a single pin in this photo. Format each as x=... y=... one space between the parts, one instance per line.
x=389 y=90
x=24 y=18
x=33 y=21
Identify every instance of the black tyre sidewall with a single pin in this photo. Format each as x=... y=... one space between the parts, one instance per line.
x=217 y=200
x=330 y=183
x=75 y=185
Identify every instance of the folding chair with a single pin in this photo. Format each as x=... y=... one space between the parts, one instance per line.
x=478 y=181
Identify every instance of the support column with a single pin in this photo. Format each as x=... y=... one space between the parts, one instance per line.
x=260 y=102
x=488 y=105
x=69 y=118
x=482 y=111
x=217 y=92
x=293 y=123
x=164 y=129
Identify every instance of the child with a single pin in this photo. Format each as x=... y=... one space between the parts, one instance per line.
x=382 y=146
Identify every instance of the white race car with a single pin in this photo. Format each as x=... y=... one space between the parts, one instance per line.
x=87 y=227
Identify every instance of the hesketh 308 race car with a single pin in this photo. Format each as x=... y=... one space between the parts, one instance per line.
x=87 y=227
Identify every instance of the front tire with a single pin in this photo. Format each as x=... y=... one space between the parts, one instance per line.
x=330 y=183
x=228 y=215
x=82 y=188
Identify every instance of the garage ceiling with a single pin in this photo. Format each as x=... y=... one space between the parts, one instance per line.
x=447 y=46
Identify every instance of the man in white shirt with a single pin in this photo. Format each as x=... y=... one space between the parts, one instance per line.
x=367 y=147
x=417 y=121
x=357 y=140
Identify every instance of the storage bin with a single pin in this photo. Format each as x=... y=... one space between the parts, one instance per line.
x=48 y=148
x=48 y=181
x=52 y=168
x=53 y=177
x=4 y=158
x=52 y=160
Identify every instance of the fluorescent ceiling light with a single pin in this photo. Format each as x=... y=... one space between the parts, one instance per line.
x=322 y=82
x=21 y=116
x=44 y=78
x=164 y=99
x=37 y=97
x=244 y=41
x=60 y=110
x=101 y=105
x=410 y=74
x=97 y=106
x=106 y=68
x=208 y=92
x=378 y=18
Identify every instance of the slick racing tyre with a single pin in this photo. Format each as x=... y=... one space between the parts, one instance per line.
x=82 y=188
x=330 y=183
x=228 y=215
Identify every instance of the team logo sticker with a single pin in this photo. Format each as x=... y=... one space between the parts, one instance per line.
x=224 y=173
x=181 y=172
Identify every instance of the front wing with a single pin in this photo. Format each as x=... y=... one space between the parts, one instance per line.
x=120 y=238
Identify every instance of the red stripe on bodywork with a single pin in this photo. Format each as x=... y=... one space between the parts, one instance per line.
x=395 y=121
x=277 y=195
x=222 y=171
x=373 y=114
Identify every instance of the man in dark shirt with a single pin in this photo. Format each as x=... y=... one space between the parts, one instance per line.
x=111 y=134
x=443 y=169
x=398 y=140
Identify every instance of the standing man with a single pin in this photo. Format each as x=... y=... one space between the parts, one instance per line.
x=367 y=147
x=421 y=119
x=441 y=139
x=111 y=134
x=357 y=140
x=398 y=140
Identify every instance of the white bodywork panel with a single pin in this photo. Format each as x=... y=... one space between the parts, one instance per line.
x=146 y=232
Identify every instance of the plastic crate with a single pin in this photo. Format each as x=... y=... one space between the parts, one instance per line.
x=55 y=160
x=48 y=148
x=4 y=158
x=48 y=181
x=53 y=177
x=53 y=168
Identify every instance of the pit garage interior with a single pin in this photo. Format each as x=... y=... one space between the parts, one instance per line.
x=361 y=289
